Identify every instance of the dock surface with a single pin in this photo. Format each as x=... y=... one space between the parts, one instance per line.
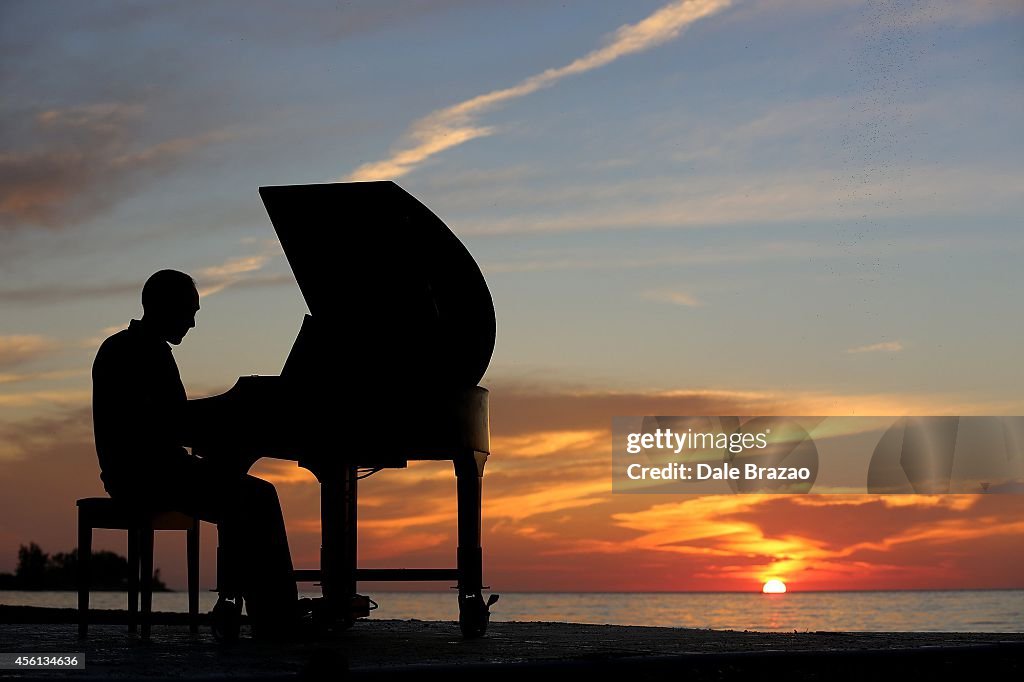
x=409 y=649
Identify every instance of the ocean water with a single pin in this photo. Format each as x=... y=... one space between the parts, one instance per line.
x=946 y=611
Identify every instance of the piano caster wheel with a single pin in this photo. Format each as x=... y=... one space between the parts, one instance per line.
x=227 y=619
x=474 y=614
x=326 y=616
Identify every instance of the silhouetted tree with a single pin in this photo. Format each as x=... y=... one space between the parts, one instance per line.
x=38 y=571
x=31 y=565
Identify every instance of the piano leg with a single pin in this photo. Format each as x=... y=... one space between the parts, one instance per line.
x=473 y=611
x=338 y=543
x=226 y=617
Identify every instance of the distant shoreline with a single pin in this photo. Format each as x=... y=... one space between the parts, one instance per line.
x=864 y=611
x=790 y=591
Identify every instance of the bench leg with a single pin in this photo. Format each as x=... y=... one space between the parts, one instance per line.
x=84 y=573
x=146 y=581
x=192 y=552
x=133 y=578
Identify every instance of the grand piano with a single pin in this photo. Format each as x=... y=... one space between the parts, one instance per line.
x=384 y=371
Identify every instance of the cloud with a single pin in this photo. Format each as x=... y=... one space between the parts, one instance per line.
x=218 y=277
x=771 y=197
x=881 y=347
x=891 y=15
x=233 y=267
x=674 y=297
x=863 y=545
x=544 y=443
x=18 y=349
x=523 y=408
x=569 y=494
x=457 y=124
x=234 y=271
x=98 y=119
x=81 y=160
x=61 y=293
x=28 y=437
x=241 y=270
x=61 y=397
x=955 y=502
x=23 y=377
x=935 y=12
x=93 y=342
x=748 y=252
x=550 y=519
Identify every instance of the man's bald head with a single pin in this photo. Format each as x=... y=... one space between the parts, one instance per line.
x=170 y=301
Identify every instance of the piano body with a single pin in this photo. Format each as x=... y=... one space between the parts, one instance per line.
x=384 y=370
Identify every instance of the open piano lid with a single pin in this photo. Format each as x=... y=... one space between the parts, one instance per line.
x=385 y=280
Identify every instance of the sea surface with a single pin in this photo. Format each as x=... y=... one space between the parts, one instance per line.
x=911 y=611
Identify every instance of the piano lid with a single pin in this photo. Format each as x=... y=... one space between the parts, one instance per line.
x=386 y=279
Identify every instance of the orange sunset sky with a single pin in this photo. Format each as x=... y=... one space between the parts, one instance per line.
x=686 y=207
x=551 y=522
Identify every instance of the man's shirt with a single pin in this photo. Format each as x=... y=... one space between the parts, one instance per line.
x=138 y=406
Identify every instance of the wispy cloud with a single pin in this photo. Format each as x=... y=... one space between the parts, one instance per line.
x=17 y=349
x=233 y=267
x=234 y=271
x=935 y=12
x=80 y=160
x=522 y=408
x=240 y=270
x=63 y=397
x=52 y=375
x=753 y=537
x=457 y=124
x=571 y=494
x=62 y=293
x=218 y=277
x=674 y=297
x=881 y=347
x=771 y=197
x=749 y=252
x=96 y=339
x=549 y=443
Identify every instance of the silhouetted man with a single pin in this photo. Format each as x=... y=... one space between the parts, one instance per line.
x=139 y=423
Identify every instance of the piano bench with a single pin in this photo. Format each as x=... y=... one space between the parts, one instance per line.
x=104 y=512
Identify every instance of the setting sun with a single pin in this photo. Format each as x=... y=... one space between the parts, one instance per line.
x=774 y=587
